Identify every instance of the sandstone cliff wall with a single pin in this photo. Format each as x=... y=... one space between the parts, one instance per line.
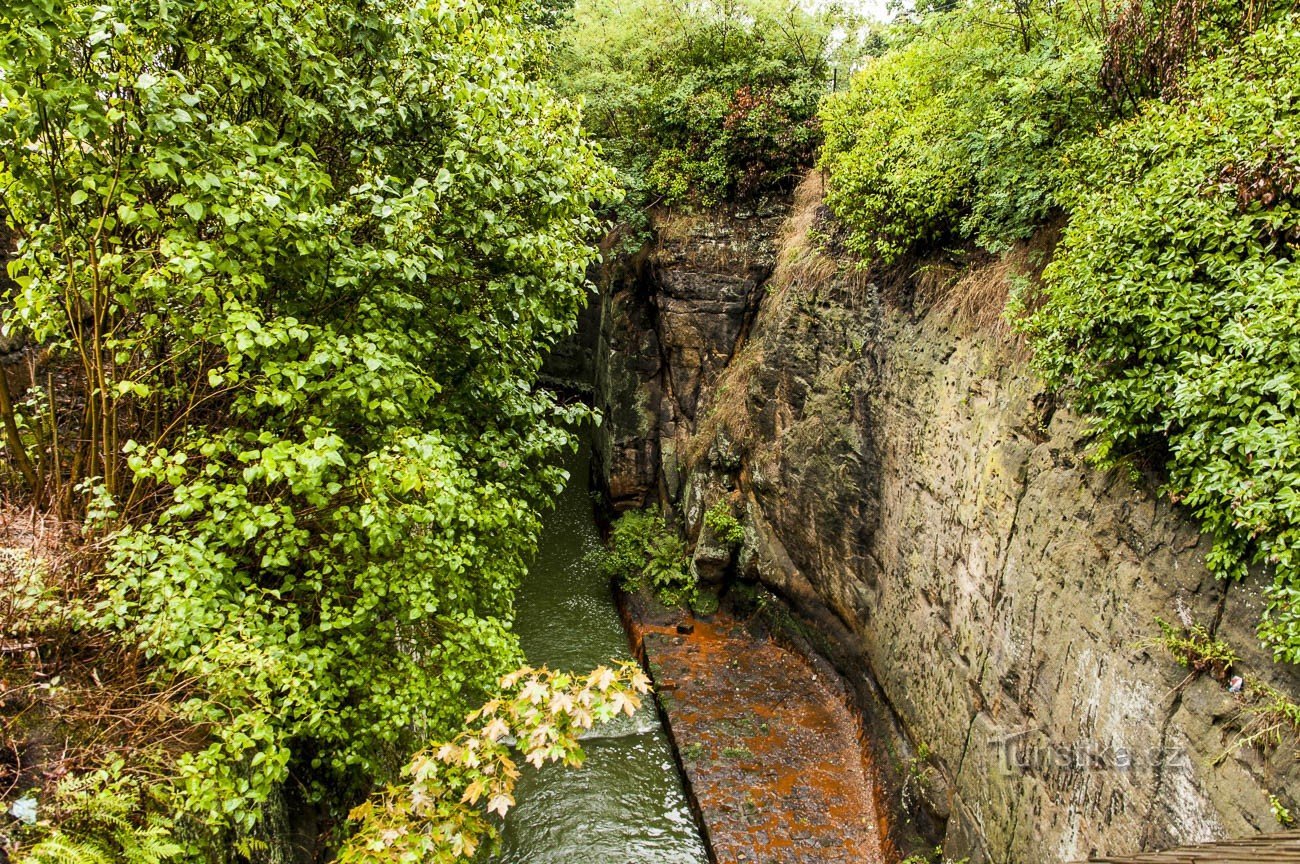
x=911 y=489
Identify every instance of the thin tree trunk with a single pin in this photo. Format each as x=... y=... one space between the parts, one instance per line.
x=14 y=441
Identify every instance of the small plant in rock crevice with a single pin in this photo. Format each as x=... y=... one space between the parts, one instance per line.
x=724 y=525
x=915 y=771
x=1280 y=812
x=1268 y=716
x=1194 y=648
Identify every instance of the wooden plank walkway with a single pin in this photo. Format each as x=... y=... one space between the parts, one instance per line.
x=1260 y=849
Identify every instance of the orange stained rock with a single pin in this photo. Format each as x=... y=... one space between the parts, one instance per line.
x=774 y=757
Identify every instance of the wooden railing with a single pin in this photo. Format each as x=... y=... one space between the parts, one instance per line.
x=1260 y=849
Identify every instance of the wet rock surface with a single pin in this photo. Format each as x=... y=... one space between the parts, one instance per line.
x=771 y=752
x=670 y=322
x=906 y=483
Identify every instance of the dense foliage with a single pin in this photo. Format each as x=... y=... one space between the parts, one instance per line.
x=1165 y=137
x=294 y=265
x=1173 y=308
x=699 y=102
x=646 y=553
x=956 y=130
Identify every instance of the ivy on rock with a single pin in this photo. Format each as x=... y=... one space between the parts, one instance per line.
x=1172 y=310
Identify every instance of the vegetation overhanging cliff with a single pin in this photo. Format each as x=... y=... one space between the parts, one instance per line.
x=284 y=273
x=912 y=488
x=972 y=412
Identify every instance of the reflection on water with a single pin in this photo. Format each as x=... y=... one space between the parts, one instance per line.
x=625 y=805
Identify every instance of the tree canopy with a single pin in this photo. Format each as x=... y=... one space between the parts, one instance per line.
x=701 y=103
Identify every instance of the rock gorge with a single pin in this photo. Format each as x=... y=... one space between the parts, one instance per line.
x=911 y=490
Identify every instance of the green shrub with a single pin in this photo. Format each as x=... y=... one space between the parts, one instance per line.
x=1172 y=312
x=957 y=129
x=723 y=524
x=645 y=552
x=699 y=102
x=298 y=263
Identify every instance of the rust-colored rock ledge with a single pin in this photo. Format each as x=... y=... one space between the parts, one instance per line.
x=773 y=756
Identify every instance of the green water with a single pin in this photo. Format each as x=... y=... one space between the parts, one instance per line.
x=626 y=804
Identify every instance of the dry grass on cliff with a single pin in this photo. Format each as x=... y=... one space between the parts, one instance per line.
x=674 y=225
x=803 y=269
x=975 y=294
x=799 y=253
x=804 y=261
x=728 y=413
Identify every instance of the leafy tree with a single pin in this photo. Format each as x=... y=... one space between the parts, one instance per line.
x=295 y=264
x=699 y=102
x=1172 y=311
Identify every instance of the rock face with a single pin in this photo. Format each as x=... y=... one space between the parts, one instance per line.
x=909 y=487
x=670 y=323
x=769 y=747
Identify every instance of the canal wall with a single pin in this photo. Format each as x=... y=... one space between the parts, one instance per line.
x=909 y=487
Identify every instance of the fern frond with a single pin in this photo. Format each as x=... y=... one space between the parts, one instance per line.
x=58 y=848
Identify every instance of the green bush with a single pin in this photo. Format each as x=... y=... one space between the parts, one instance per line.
x=956 y=130
x=1172 y=312
x=724 y=524
x=698 y=102
x=302 y=259
x=646 y=553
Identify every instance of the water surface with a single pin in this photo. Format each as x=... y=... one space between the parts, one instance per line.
x=626 y=804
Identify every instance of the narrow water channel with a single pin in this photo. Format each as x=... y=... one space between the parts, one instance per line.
x=626 y=805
